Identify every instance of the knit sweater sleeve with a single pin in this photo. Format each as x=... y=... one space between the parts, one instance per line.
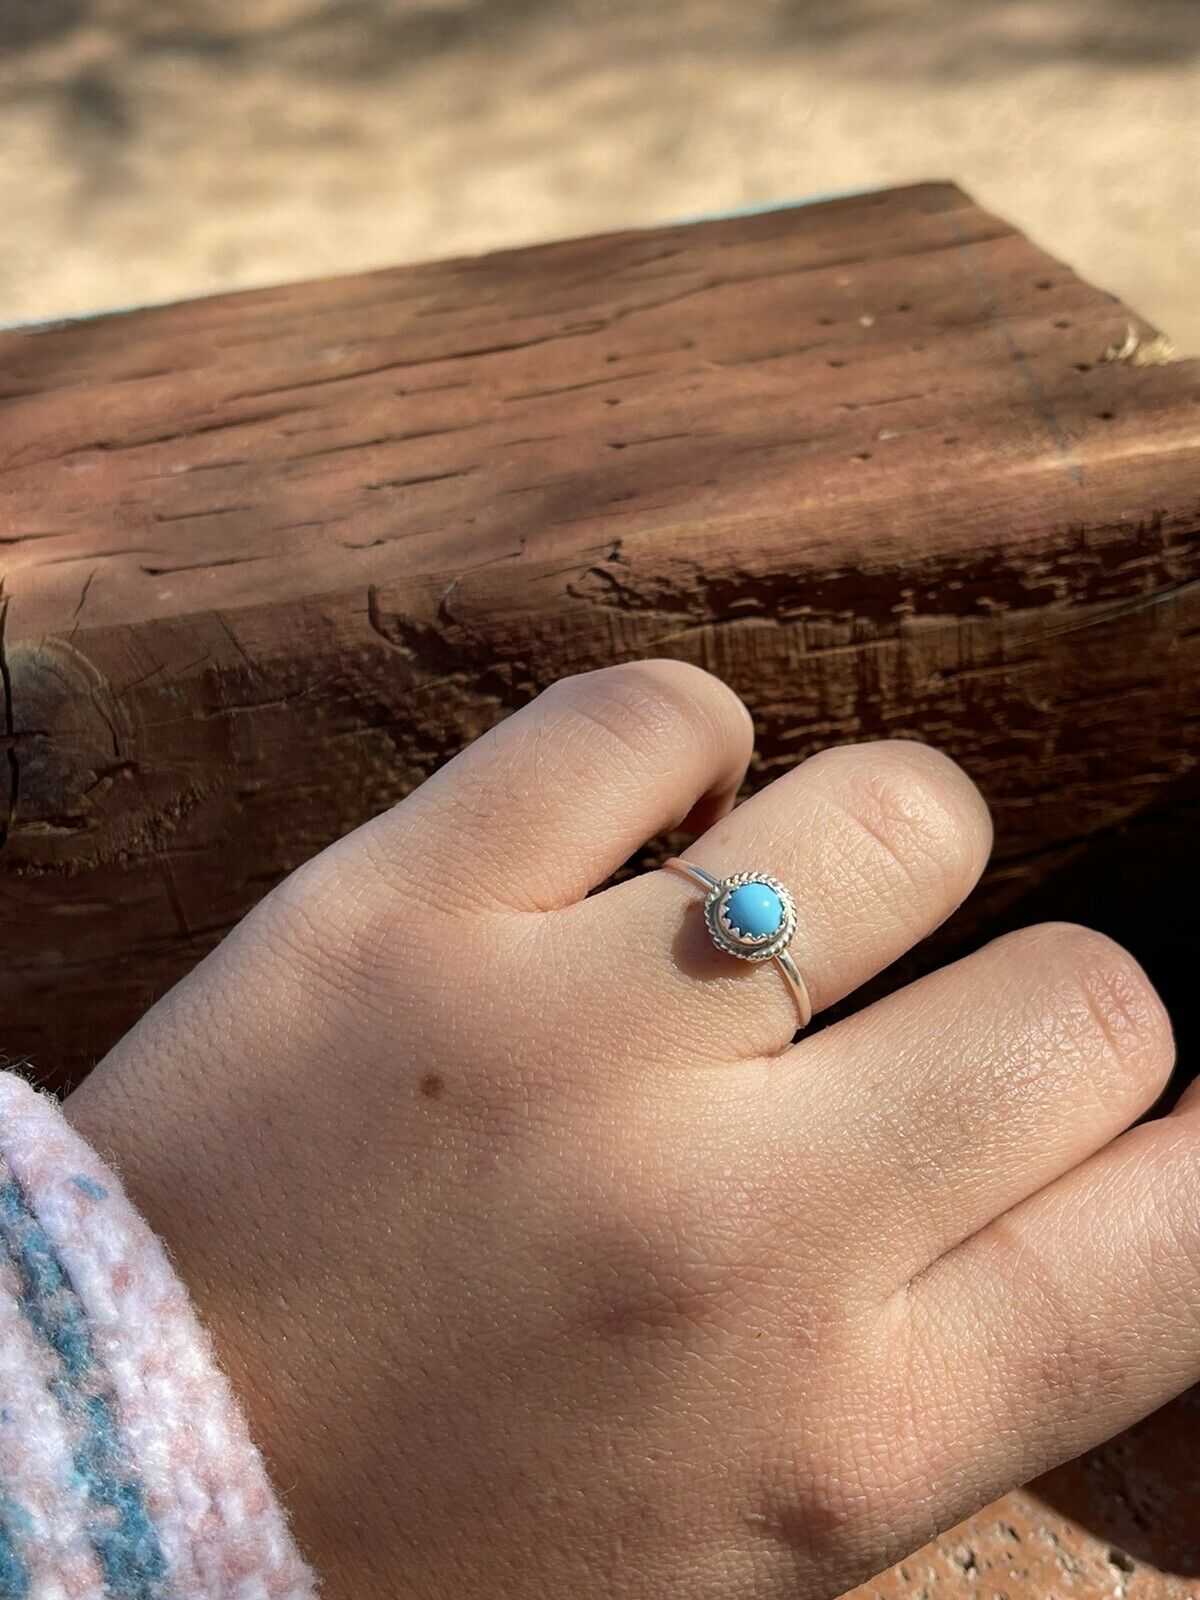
x=126 y=1471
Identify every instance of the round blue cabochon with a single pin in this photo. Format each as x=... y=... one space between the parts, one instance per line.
x=755 y=909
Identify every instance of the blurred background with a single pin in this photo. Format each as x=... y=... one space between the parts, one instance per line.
x=151 y=149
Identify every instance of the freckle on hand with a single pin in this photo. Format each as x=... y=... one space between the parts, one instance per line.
x=433 y=1087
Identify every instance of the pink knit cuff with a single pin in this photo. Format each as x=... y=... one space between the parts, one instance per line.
x=126 y=1471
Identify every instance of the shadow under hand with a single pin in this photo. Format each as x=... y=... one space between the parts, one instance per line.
x=1140 y=1492
x=1136 y=883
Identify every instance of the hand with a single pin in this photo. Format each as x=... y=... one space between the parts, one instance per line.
x=541 y=1263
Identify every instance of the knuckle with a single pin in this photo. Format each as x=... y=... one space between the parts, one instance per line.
x=1177 y=1200
x=642 y=1294
x=665 y=1260
x=918 y=807
x=1119 y=1004
x=312 y=928
x=638 y=704
x=1094 y=998
x=818 y=1502
x=836 y=1485
x=341 y=921
x=1069 y=1364
x=655 y=674
x=1086 y=1012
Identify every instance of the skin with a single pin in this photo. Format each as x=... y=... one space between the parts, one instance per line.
x=541 y=1261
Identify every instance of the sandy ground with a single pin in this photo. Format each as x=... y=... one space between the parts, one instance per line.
x=169 y=147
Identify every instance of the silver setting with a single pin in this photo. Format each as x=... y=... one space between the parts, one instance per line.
x=748 y=946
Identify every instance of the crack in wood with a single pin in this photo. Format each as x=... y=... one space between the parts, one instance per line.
x=1029 y=377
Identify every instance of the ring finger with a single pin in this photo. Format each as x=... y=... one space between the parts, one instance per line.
x=877 y=843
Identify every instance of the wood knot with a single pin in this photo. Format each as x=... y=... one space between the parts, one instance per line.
x=64 y=736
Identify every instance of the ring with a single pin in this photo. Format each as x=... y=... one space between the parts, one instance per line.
x=752 y=916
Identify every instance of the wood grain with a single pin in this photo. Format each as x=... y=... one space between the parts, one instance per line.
x=269 y=558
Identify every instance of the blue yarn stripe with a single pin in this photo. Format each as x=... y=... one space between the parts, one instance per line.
x=118 y=1523
x=14 y=1575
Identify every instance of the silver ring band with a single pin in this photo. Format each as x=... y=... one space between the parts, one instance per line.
x=752 y=916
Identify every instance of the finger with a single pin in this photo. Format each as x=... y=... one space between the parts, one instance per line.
x=547 y=805
x=878 y=843
x=945 y=1104
x=1070 y=1317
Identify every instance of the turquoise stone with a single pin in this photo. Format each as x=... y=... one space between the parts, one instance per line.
x=754 y=910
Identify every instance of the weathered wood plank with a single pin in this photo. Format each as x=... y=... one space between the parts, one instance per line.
x=269 y=558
